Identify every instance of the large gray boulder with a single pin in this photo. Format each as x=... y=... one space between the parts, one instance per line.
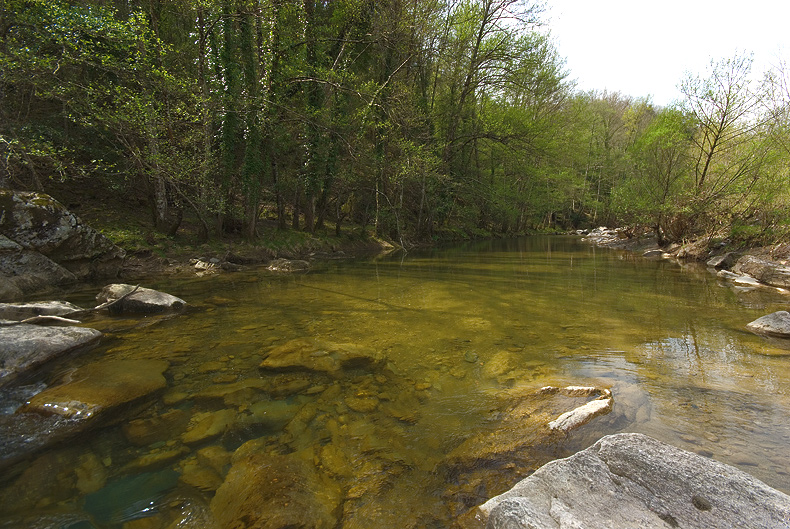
x=776 y=324
x=42 y=245
x=24 y=347
x=631 y=480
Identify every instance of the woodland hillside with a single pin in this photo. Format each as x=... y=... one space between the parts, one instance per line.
x=416 y=120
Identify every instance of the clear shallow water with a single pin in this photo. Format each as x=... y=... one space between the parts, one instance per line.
x=457 y=326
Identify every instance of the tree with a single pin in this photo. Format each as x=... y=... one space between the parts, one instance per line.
x=728 y=147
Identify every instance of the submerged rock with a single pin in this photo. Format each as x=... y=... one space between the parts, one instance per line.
x=536 y=419
x=24 y=347
x=305 y=354
x=96 y=395
x=776 y=324
x=631 y=480
x=142 y=300
x=527 y=435
x=208 y=425
x=273 y=492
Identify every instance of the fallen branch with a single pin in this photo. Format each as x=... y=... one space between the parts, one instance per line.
x=41 y=319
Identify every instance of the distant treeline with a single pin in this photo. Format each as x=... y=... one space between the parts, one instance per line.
x=414 y=118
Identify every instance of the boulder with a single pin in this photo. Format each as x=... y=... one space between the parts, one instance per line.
x=631 y=480
x=776 y=324
x=264 y=491
x=304 y=354
x=141 y=301
x=23 y=311
x=764 y=270
x=25 y=347
x=723 y=261
x=43 y=244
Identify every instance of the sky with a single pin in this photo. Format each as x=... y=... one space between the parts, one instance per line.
x=645 y=48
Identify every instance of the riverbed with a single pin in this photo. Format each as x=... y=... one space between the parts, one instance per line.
x=454 y=329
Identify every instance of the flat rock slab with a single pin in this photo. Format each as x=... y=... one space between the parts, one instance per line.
x=24 y=347
x=626 y=481
x=100 y=388
x=776 y=324
x=96 y=395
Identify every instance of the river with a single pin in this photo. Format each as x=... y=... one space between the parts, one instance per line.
x=455 y=326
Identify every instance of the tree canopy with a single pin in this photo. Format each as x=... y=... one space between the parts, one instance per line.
x=416 y=119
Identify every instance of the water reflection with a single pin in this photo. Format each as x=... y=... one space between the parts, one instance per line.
x=460 y=329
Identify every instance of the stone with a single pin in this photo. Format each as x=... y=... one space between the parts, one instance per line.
x=142 y=301
x=653 y=254
x=775 y=324
x=362 y=403
x=44 y=244
x=155 y=459
x=100 y=389
x=214 y=457
x=289 y=265
x=206 y=426
x=150 y=430
x=499 y=365
x=303 y=354
x=194 y=474
x=274 y=492
x=765 y=271
x=273 y=414
x=23 y=311
x=24 y=347
x=723 y=262
x=631 y=480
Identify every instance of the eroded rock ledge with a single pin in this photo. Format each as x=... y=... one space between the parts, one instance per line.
x=631 y=480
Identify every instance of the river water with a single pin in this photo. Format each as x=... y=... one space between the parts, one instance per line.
x=456 y=326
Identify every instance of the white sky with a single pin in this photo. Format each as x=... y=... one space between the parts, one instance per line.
x=644 y=48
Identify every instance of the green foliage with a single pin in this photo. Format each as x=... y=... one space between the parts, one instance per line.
x=415 y=119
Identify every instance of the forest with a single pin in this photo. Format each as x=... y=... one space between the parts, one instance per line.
x=414 y=120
